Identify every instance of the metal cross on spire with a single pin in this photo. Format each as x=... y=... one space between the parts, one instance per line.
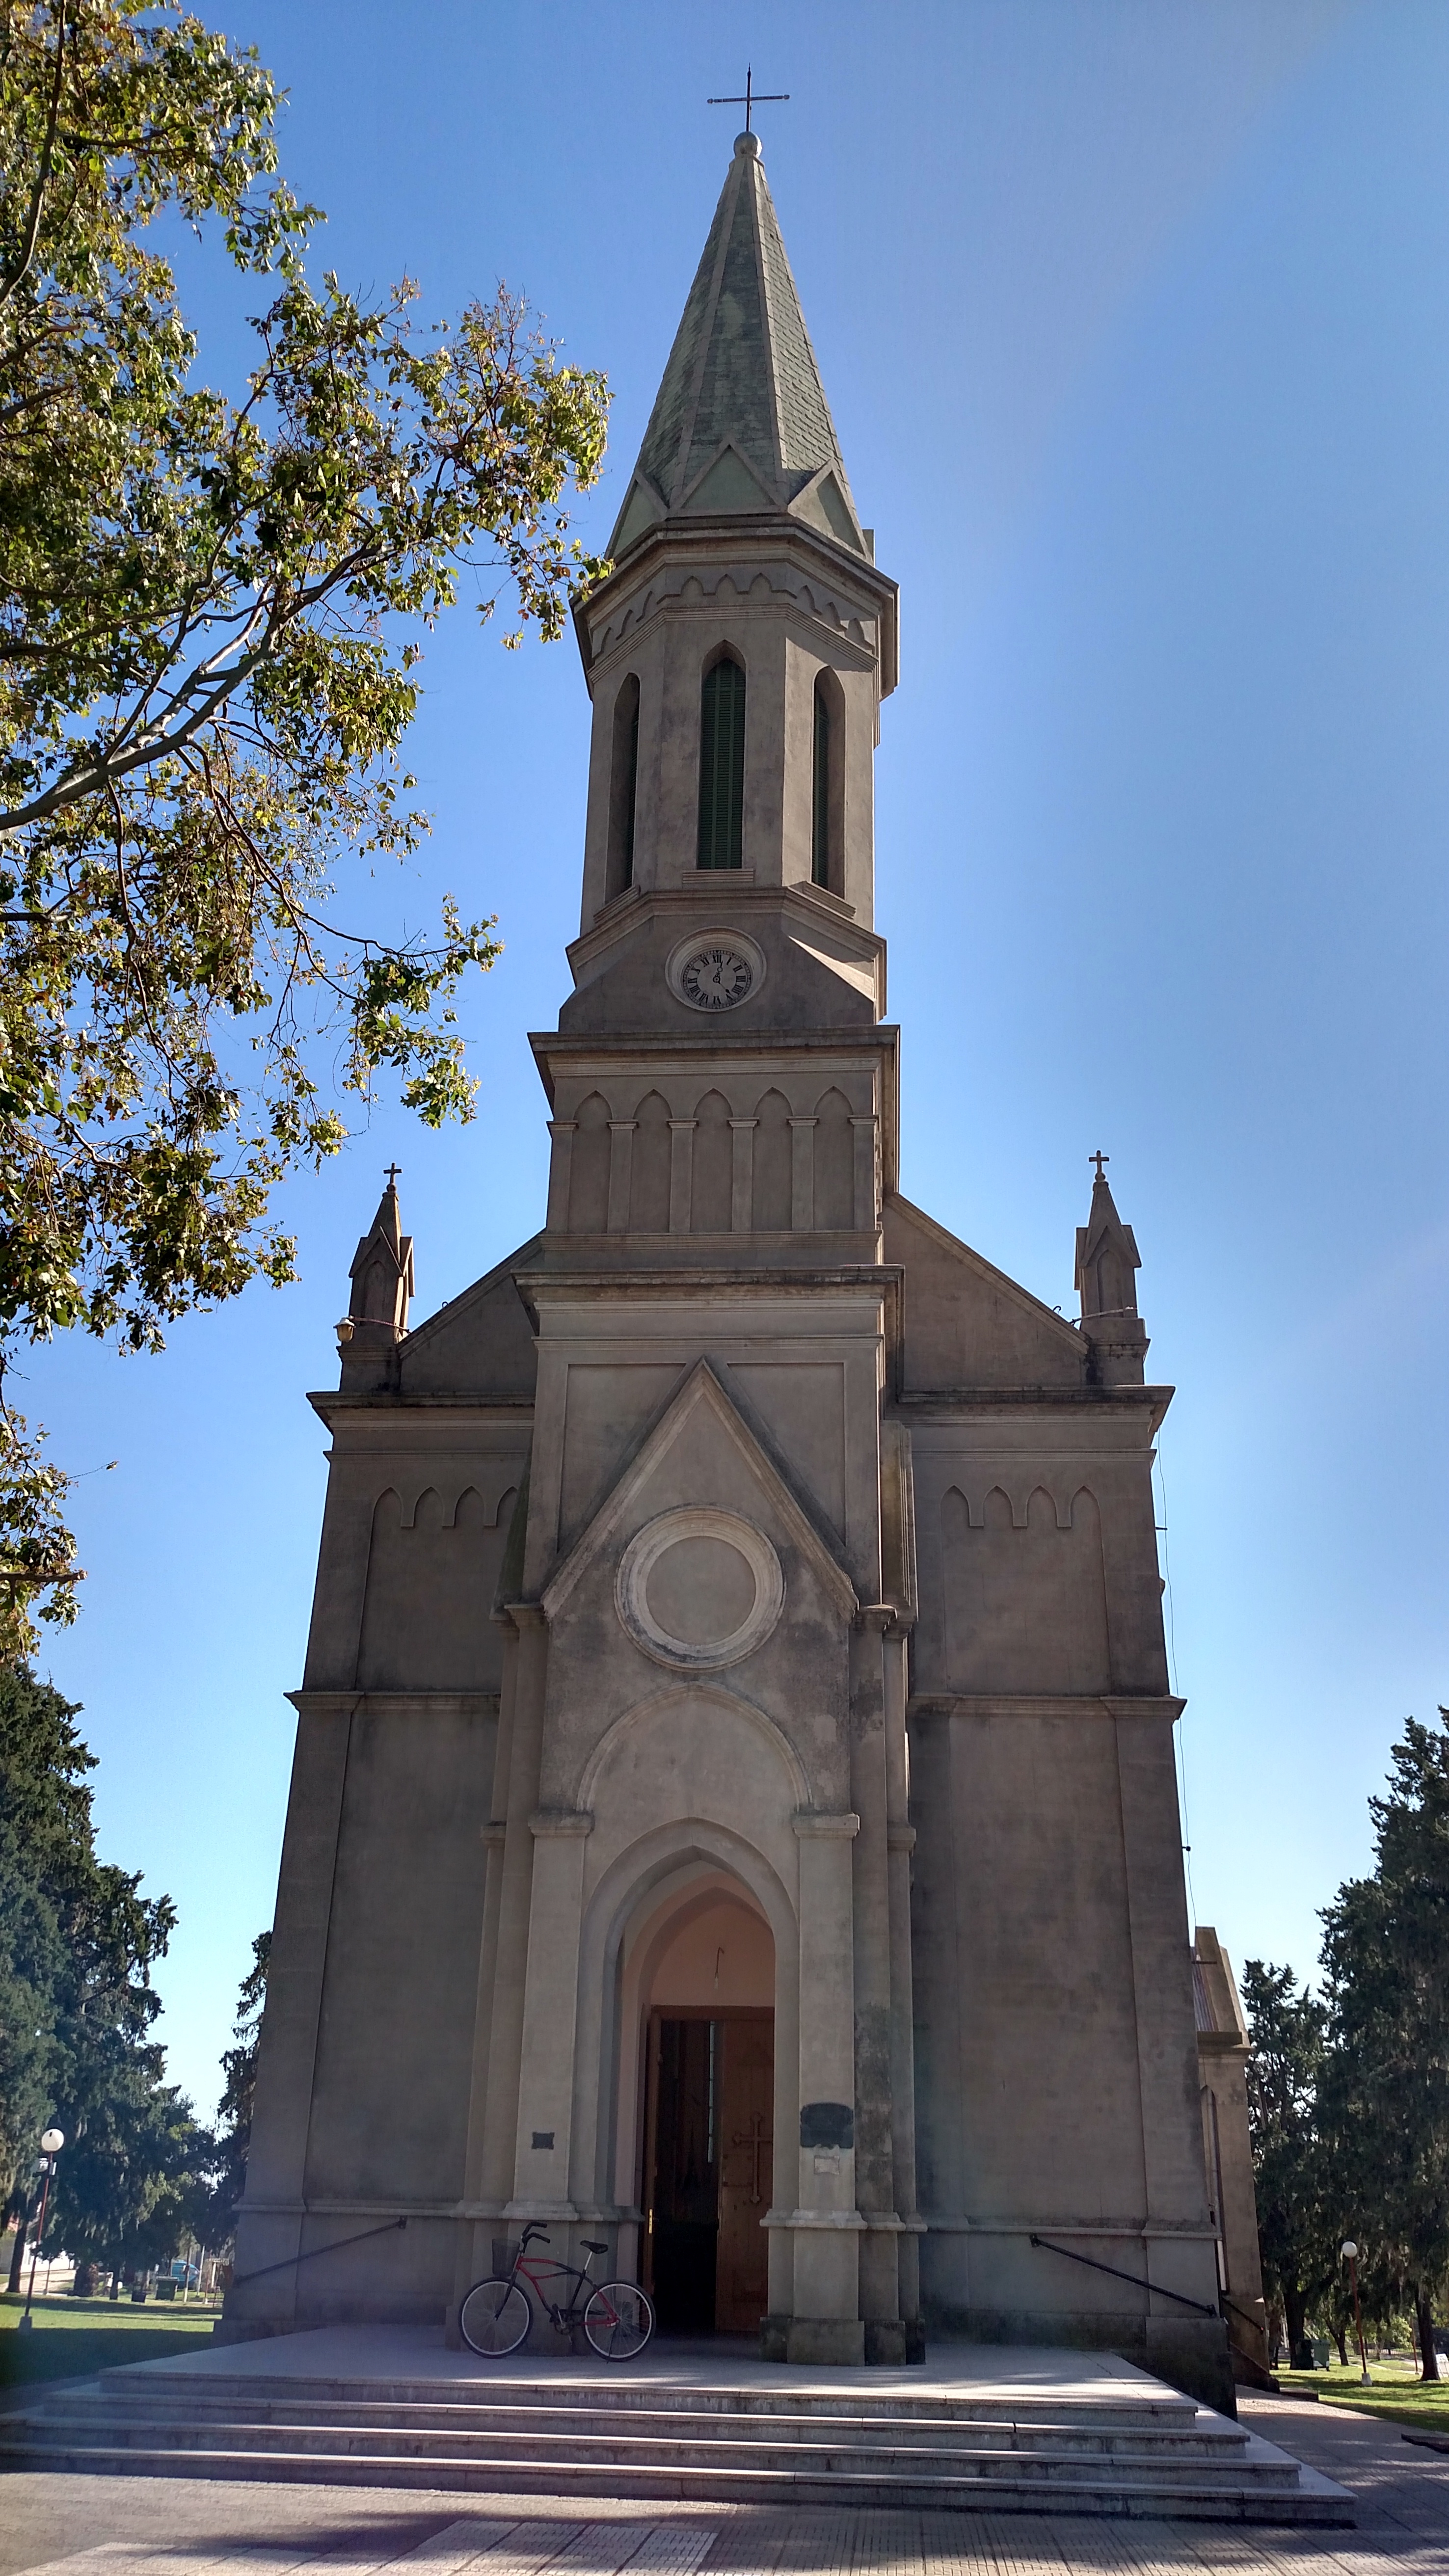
x=1099 y=1159
x=750 y=98
x=393 y=1170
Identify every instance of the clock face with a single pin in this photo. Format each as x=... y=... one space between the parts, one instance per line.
x=716 y=977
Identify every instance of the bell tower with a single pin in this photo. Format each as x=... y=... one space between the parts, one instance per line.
x=738 y=655
x=711 y=1301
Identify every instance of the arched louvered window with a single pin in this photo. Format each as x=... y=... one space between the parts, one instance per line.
x=820 y=811
x=623 y=788
x=722 y=766
x=827 y=801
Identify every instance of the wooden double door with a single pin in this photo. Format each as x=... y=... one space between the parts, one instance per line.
x=709 y=2169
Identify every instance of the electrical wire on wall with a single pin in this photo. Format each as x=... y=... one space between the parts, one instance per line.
x=1179 y=1731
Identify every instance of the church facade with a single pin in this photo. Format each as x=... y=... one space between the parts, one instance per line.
x=734 y=1813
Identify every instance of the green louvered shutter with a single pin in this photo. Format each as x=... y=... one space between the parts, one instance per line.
x=722 y=767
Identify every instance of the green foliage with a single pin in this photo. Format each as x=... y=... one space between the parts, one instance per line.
x=1386 y=1963
x=208 y=619
x=77 y=1945
x=1285 y=2073
x=1349 y=2097
x=38 y=1571
x=234 y=2112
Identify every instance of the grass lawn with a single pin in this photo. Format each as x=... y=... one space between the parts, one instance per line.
x=1397 y=2392
x=70 y=2338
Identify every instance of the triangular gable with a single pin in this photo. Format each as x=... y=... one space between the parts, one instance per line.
x=642 y=510
x=1103 y=1225
x=480 y=1343
x=824 y=504
x=701 y=1390
x=727 y=484
x=965 y=1322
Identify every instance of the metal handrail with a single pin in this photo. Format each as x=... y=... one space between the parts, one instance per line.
x=289 y=2261
x=1153 y=2288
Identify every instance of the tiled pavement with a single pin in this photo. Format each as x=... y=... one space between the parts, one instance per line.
x=54 y=2525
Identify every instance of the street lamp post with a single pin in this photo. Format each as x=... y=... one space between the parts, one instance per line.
x=50 y=2147
x=1349 y=2251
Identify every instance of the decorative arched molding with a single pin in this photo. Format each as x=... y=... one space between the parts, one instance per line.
x=589 y=1172
x=834 y=1209
x=1023 y=1582
x=492 y=1492
x=635 y=1877
x=694 y=1888
x=658 y=1703
x=1062 y=1493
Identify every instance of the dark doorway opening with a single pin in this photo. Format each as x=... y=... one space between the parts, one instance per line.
x=709 y=2169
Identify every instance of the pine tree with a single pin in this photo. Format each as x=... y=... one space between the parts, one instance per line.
x=1386 y=1962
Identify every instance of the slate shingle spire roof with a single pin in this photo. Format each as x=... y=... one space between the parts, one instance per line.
x=741 y=422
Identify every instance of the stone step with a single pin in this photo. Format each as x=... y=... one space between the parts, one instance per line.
x=663 y=2446
x=1208 y=2440
x=1244 y=2499
x=604 y=2386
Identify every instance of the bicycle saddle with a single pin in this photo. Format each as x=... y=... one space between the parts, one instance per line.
x=590 y=2247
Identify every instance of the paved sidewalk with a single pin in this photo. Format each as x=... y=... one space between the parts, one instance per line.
x=1401 y=2490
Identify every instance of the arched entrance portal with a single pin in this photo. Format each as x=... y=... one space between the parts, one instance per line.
x=699 y=2002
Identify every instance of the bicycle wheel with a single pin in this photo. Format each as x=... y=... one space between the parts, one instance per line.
x=495 y=2318
x=619 y=2320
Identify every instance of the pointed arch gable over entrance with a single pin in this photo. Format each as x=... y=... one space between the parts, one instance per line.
x=701 y=1391
x=680 y=1858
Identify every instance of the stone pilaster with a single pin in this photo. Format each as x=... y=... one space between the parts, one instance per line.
x=500 y=2126
x=826 y=2225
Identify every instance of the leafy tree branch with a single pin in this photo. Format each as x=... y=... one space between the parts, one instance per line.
x=210 y=609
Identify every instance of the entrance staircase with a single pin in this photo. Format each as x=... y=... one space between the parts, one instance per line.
x=976 y=2437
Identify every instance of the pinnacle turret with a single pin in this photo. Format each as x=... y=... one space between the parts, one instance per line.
x=1106 y=1280
x=741 y=424
x=381 y=1274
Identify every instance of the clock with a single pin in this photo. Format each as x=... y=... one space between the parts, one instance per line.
x=716 y=971
x=717 y=977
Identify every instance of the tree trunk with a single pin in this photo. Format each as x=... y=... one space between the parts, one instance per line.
x=1300 y=2350
x=1428 y=2357
x=17 y=2257
x=1340 y=2337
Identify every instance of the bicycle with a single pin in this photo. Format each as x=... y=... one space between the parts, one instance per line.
x=495 y=2317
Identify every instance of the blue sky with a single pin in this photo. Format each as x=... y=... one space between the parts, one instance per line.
x=1134 y=317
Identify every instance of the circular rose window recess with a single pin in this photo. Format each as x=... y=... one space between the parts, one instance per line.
x=698 y=1589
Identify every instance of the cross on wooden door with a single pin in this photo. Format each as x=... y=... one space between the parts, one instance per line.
x=754 y=2139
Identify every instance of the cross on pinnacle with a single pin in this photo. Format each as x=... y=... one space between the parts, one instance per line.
x=393 y=1170
x=1099 y=1159
x=751 y=98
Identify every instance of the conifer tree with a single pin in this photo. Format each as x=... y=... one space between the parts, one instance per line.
x=1386 y=1962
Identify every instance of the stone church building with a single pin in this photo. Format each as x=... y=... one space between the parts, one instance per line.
x=734 y=1812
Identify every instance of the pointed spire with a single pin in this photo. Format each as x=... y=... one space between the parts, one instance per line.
x=382 y=1273
x=1106 y=1281
x=741 y=423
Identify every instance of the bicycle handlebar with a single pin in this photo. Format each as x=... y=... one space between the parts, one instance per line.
x=531 y=2231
